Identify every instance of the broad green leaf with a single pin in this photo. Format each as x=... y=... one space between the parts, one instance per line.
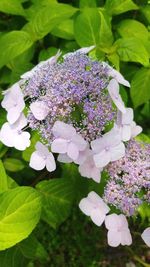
x=58 y=195
x=64 y=30
x=11 y=183
x=146 y=12
x=132 y=28
x=114 y=59
x=3 y=178
x=133 y=50
x=19 y=213
x=88 y=3
x=12 y=258
x=140 y=87
x=31 y=248
x=13 y=165
x=86 y=27
x=143 y=137
x=47 y=53
x=106 y=36
x=115 y=7
x=144 y=210
x=47 y=18
x=13 y=44
x=12 y=7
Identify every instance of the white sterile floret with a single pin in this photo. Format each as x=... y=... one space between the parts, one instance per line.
x=146 y=236
x=13 y=102
x=118 y=231
x=126 y=126
x=113 y=89
x=12 y=135
x=39 y=110
x=94 y=206
x=42 y=158
x=67 y=140
x=107 y=148
x=117 y=76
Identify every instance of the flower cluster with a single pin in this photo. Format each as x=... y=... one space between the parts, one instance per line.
x=129 y=182
x=74 y=103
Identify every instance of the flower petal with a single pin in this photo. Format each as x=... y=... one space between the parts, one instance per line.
x=114 y=238
x=59 y=145
x=126 y=132
x=22 y=141
x=39 y=109
x=64 y=158
x=37 y=162
x=50 y=163
x=86 y=206
x=146 y=236
x=72 y=151
x=111 y=222
x=97 y=216
x=126 y=238
x=102 y=159
x=117 y=152
x=63 y=130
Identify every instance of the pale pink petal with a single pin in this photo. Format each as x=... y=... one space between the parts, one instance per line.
x=86 y=206
x=113 y=88
x=42 y=149
x=59 y=145
x=117 y=152
x=79 y=141
x=102 y=159
x=83 y=156
x=127 y=118
x=111 y=222
x=119 y=104
x=20 y=123
x=146 y=236
x=119 y=78
x=37 y=162
x=64 y=158
x=98 y=202
x=123 y=223
x=13 y=115
x=72 y=151
x=39 y=109
x=114 y=238
x=50 y=163
x=7 y=135
x=126 y=238
x=135 y=129
x=126 y=132
x=96 y=175
x=22 y=141
x=63 y=130
x=97 y=216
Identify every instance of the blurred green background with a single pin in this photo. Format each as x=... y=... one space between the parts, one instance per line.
x=34 y=30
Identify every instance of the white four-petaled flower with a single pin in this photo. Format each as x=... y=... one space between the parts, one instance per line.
x=13 y=102
x=118 y=231
x=12 y=135
x=42 y=158
x=107 y=148
x=126 y=126
x=67 y=140
x=39 y=110
x=146 y=236
x=94 y=206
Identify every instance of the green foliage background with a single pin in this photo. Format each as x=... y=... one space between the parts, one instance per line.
x=32 y=31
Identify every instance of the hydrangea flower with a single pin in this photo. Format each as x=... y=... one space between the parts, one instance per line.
x=13 y=102
x=94 y=206
x=118 y=231
x=42 y=158
x=107 y=149
x=12 y=135
x=126 y=126
x=129 y=176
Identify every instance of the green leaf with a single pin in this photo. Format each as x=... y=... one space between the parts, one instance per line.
x=88 y=3
x=31 y=248
x=3 y=178
x=132 y=50
x=12 y=7
x=19 y=213
x=12 y=258
x=58 y=195
x=140 y=87
x=13 y=165
x=86 y=27
x=106 y=36
x=64 y=30
x=11 y=183
x=115 y=7
x=143 y=137
x=47 y=18
x=146 y=12
x=47 y=53
x=13 y=44
x=132 y=28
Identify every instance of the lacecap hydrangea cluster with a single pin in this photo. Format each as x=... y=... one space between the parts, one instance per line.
x=74 y=103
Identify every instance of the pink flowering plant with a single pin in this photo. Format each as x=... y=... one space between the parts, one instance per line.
x=73 y=103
